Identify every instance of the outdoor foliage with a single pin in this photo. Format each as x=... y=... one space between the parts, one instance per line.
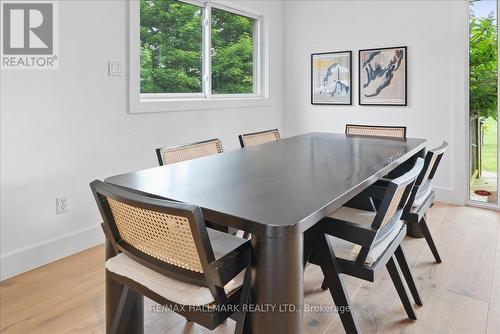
x=232 y=53
x=171 y=49
x=489 y=157
x=483 y=67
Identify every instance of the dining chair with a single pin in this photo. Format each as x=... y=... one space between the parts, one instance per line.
x=164 y=251
x=422 y=197
x=253 y=139
x=360 y=243
x=383 y=131
x=376 y=131
x=173 y=154
x=257 y=138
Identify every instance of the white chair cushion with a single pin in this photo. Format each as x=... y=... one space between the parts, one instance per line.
x=355 y=216
x=174 y=290
x=349 y=251
x=422 y=194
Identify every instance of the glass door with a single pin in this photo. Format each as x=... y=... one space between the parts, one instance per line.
x=483 y=102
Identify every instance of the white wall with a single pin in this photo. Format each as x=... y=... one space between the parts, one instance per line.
x=61 y=129
x=435 y=33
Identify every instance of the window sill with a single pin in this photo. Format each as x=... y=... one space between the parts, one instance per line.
x=151 y=104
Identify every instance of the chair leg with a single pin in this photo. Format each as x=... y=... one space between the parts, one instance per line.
x=400 y=288
x=405 y=269
x=428 y=237
x=242 y=322
x=125 y=305
x=308 y=247
x=324 y=285
x=332 y=272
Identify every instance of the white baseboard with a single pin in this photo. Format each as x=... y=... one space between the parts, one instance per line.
x=448 y=195
x=22 y=260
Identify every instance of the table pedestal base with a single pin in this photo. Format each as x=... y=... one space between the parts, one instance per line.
x=278 y=276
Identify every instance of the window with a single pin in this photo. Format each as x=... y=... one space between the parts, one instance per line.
x=171 y=47
x=232 y=53
x=483 y=103
x=194 y=50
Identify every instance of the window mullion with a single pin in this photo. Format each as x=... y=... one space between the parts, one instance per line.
x=207 y=72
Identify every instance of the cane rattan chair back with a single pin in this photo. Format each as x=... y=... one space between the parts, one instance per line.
x=168 y=237
x=257 y=138
x=165 y=237
x=423 y=184
x=171 y=155
x=432 y=160
x=376 y=131
x=394 y=202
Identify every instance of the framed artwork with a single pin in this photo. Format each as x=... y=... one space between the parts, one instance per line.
x=331 y=78
x=382 y=76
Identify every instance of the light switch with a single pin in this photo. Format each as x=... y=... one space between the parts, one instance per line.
x=115 y=68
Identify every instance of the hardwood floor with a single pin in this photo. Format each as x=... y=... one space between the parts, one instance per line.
x=461 y=295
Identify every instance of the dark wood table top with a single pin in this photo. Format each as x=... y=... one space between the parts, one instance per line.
x=277 y=189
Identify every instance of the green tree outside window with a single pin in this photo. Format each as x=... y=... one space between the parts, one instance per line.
x=171 y=35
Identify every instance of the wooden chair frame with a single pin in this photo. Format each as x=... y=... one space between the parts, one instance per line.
x=319 y=250
x=160 y=151
x=216 y=273
x=375 y=127
x=242 y=136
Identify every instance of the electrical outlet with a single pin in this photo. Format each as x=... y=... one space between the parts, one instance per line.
x=61 y=205
x=115 y=68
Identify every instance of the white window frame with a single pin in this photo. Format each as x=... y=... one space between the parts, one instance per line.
x=157 y=102
x=468 y=181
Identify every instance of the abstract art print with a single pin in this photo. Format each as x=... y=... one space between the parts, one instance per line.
x=382 y=76
x=331 y=78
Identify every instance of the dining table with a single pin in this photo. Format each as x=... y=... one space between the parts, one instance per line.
x=277 y=192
